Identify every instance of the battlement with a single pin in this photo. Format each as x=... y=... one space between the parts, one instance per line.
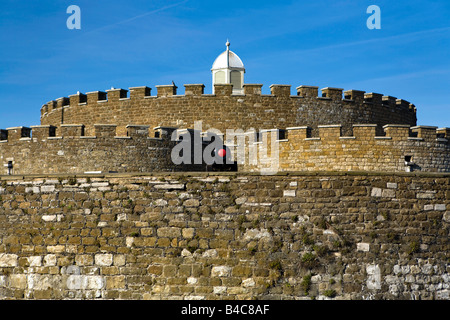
x=328 y=134
x=395 y=132
x=402 y=148
x=43 y=132
x=40 y=150
x=224 y=110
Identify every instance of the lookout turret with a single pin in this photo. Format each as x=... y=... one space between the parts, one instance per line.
x=228 y=69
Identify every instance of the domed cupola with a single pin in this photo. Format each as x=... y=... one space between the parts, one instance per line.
x=228 y=69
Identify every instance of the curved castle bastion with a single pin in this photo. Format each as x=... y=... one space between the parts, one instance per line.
x=402 y=148
x=227 y=110
x=333 y=196
x=37 y=150
x=92 y=132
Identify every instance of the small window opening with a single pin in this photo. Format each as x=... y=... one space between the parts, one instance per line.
x=9 y=166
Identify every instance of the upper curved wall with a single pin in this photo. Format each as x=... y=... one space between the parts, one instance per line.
x=223 y=110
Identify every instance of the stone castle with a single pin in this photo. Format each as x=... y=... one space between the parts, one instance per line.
x=356 y=206
x=336 y=131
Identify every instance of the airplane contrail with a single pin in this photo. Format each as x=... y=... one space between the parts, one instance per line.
x=140 y=16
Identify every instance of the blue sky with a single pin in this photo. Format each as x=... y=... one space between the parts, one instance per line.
x=123 y=44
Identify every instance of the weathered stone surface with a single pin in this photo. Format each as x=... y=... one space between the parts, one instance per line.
x=256 y=234
x=18 y=281
x=104 y=259
x=289 y=193
x=376 y=192
x=363 y=246
x=8 y=260
x=221 y=271
x=169 y=186
x=85 y=282
x=374 y=277
x=171 y=232
x=242 y=240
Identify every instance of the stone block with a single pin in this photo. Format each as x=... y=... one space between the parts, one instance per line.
x=170 y=232
x=85 y=282
x=362 y=246
x=248 y=283
x=388 y=193
x=373 y=277
x=8 y=260
x=48 y=189
x=221 y=271
x=174 y=186
x=50 y=260
x=219 y=290
x=35 y=261
x=392 y=185
x=119 y=260
x=446 y=217
x=104 y=259
x=191 y=203
x=289 y=193
x=115 y=282
x=188 y=233
x=38 y=282
x=426 y=194
x=18 y=281
x=56 y=249
x=376 y=192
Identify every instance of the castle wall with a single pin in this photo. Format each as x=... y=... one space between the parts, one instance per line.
x=37 y=150
x=402 y=148
x=223 y=110
x=228 y=236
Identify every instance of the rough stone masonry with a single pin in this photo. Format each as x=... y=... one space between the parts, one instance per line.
x=227 y=236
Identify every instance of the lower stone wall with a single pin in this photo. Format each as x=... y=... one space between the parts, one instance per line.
x=228 y=236
x=78 y=154
x=429 y=151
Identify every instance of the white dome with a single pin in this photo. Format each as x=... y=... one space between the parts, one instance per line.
x=228 y=69
x=233 y=61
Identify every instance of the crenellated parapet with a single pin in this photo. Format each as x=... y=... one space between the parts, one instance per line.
x=225 y=110
x=39 y=150
x=402 y=148
x=276 y=90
